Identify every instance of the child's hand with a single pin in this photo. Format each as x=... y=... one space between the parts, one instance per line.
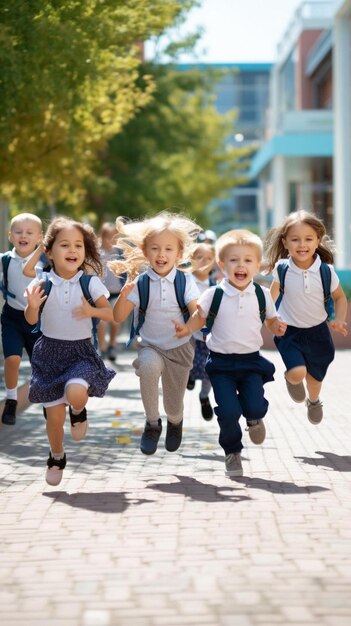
x=277 y=326
x=83 y=311
x=339 y=327
x=126 y=290
x=182 y=330
x=35 y=296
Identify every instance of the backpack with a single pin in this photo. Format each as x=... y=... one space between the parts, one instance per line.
x=325 y=273
x=84 y=282
x=216 y=301
x=143 y=283
x=6 y=258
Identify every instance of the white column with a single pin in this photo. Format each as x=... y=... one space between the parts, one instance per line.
x=280 y=190
x=342 y=140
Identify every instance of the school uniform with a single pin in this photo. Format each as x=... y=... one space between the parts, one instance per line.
x=112 y=282
x=236 y=368
x=307 y=341
x=160 y=353
x=16 y=333
x=65 y=351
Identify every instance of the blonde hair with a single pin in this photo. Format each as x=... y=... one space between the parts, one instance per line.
x=26 y=217
x=197 y=247
x=274 y=247
x=134 y=236
x=238 y=237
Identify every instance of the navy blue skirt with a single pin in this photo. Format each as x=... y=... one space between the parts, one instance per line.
x=55 y=362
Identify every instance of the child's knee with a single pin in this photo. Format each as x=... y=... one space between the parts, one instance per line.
x=296 y=374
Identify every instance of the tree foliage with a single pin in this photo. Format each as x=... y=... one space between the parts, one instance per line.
x=69 y=81
x=174 y=153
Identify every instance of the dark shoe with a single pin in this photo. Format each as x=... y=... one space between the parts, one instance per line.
x=190 y=384
x=79 y=424
x=112 y=353
x=173 y=436
x=206 y=409
x=9 y=413
x=150 y=437
x=54 y=470
x=314 y=411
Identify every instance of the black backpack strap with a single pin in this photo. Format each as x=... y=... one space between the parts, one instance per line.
x=143 y=284
x=6 y=258
x=179 y=286
x=282 y=268
x=216 y=301
x=46 y=285
x=325 y=273
x=261 y=301
x=84 y=282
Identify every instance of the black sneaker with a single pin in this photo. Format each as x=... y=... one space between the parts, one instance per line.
x=9 y=413
x=79 y=424
x=111 y=353
x=190 y=384
x=150 y=437
x=173 y=436
x=206 y=409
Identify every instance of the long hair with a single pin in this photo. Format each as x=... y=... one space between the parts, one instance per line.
x=274 y=247
x=133 y=237
x=92 y=257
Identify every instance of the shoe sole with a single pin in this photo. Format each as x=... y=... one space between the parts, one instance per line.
x=231 y=473
x=54 y=484
x=257 y=441
x=315 y=422
x=9 y=422
x=147 y=452
x=78 y=435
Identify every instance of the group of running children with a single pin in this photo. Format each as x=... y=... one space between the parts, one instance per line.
x=186 y=325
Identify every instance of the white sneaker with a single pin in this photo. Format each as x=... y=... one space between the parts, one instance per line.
x=54 y=471
x=233 y=465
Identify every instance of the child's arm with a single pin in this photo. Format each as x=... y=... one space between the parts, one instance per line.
x=275 y=289
x=29 y=267
x=276 y=326
x=123 y=307
x=339 y=324
x=35 y=298
x=102 y=310
x=194 y=323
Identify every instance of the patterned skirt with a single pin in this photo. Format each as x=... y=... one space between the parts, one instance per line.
x=198 y=371
x=55 y=362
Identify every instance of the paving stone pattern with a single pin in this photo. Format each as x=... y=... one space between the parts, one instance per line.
x=168 y=540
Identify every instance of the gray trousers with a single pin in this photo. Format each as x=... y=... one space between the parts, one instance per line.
x=172 y=367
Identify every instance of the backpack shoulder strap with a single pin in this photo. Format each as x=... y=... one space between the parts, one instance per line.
x=282 y=268
x=179 y=286
x=84 y=282
x=143 y=284
x=326 y=283
x=46 y=284
x=261 y=301
x=214 y=306
x=6 y=258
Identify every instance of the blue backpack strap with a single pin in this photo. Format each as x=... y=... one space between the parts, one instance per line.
x=261 y=301
x=46 y=284
x=179 y=286
x=282 y=268
x=6 y=258
x=214 y=306
x=143 y=284
x=326 y=283
x=84 y=282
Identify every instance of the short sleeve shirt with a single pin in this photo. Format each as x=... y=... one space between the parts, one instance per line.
x=17 y=281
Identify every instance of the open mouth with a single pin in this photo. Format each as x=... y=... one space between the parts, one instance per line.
x=240 y=275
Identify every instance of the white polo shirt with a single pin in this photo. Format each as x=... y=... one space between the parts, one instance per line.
x=302 y=304
x=237 y=326
x=17 y=281
x=158 y=329
x=57 y=321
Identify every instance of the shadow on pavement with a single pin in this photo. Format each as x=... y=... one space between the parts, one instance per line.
x=101 y=502
x=279 y=486
x=336 y=462
x=201 y=492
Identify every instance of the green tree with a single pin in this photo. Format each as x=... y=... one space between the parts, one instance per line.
x=69 y=81
x=174 y=153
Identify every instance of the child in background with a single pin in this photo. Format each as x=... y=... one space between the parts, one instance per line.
x=161 y=241
x=25 y=234
x=307 y=348
x=109 y=252
x=66 y=368
x=203 y=260
x=236 y=368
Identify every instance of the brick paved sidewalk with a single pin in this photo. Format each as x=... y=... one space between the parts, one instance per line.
x=129 y=540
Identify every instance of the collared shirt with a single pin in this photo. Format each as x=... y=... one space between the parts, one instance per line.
x=57 y=321
x=237 y=326
x=17 y=281
x=158 y=328
x=302 y=304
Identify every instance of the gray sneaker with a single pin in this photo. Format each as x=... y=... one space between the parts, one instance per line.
x=314 y=411
x=256 y=430
x=233 y=466
x=296 y=392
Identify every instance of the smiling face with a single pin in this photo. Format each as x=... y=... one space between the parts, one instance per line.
x=24 y=236
x=203 y=261
x=240 y=263
x=67 y=252
x=301 y=242
x=162 y=251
